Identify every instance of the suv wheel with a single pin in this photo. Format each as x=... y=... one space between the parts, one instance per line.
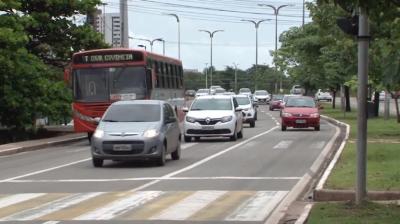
x=176 y=155
x=187 y=138
x=252 y=123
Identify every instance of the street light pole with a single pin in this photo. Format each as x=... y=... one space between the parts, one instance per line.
x=144 y=46
x=211 y=50
x=179 y=32
x=206 y=75
x=256 y=24
x=276 y=12
x=151 y=42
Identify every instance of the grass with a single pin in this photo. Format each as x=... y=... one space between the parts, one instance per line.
x=369 y=213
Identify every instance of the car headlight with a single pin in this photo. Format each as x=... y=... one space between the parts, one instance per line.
x=286 y=114
x=150 y=133
x=226 y=119
x=190 y=119
x=314 y=115
x=98 y=133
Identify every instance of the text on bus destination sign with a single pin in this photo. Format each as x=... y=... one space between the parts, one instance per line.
x=108 y=58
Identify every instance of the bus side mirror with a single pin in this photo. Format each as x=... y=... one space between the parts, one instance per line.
x=149 y=79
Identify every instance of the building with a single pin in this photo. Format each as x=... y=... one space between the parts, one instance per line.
x=109 y=25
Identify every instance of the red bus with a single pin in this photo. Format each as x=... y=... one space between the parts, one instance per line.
x=100 y=77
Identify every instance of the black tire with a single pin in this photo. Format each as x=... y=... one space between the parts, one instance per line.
x=283 y=127
x=97 y=162
x=240 y=134
x=197 y=139
x=270 y=108
x=234 y=137
x=89 y=136
x=161 y=160
x=187 y=138
x=176 y=155
x=255 y=116
x=317 y=128
x=252 y=124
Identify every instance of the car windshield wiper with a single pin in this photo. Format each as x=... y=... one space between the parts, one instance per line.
x=196 y=109
x=110 y=121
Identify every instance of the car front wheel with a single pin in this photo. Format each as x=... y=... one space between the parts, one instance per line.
x=187 y=138
x=97 y=162
x=161 y=160
x=283 y=127
x=176 y=155
x=317 y=128
x=234 y=136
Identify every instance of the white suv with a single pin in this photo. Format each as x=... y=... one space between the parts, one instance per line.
x=248 y=110
x=213 y=115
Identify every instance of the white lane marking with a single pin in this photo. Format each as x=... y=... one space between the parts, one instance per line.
x=283 y=145
x=154 y=178
x=121 y=206
x=51 y=222
x=17 y=198
x=318 y=145
x=258 y=207
x=45 y=170
x=204 y=160
x=189 y=206
x=11 y=149
x=50 y=207
x=185 y=146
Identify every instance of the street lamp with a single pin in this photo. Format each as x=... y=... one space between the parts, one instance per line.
x=144 y=46
x=211 y=33
x=276 y=12
x=256 y=24
x=179 y=33
x=151 y=42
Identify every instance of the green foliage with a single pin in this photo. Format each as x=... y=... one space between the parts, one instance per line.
x=37 y=39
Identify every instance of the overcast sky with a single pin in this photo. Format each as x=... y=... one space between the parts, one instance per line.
x=235 y=45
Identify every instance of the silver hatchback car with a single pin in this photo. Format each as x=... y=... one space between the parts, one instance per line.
x=137 y=130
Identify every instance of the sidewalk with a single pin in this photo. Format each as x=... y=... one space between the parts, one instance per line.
x=17 y=147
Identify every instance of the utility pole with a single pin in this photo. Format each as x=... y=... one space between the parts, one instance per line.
x=235 y=64
x=303 y=11
x=179 y=33
x=124 y=23
x=363 y=45
x=206 y=75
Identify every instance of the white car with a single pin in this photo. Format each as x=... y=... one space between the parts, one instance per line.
x=245 y=91
x=211 y=116
x=202 y=92
x=248 y=110
x=261 y=96
x=321 y=95
x=213 y=88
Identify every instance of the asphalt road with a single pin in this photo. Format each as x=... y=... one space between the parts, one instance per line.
x=216 y=181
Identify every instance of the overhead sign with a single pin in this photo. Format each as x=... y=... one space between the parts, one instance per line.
x=108 y=57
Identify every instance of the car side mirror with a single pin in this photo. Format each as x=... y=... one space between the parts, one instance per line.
x=238 y=109
x=170 y=120
x=97 y=120
x=185 y=109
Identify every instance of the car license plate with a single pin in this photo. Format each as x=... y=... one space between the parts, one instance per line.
x=122 y=147
x=300 y=121
x=207 y=127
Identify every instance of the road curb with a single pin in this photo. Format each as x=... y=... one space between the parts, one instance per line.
x=24 y=147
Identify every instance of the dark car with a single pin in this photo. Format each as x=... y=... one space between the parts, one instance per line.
x=137 y=130
x=276 y=102
x=300 y=112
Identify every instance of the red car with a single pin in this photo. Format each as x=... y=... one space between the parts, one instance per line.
x=276 y=102
x=300 y=112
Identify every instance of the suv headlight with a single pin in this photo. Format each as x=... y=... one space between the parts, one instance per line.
x=150 y=133
x=314 y=115
x=98 y=133
x=190 y=119
x=286 y=114
x=226 y=119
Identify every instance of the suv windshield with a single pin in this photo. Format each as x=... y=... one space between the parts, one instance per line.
x=103 y=84
x=243 y=100
x=212 y=104
x=300 y=102
x=261 y=93
x=133 y=113
x=244 y=90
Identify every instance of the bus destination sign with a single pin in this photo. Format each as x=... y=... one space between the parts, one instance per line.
x=104 y=58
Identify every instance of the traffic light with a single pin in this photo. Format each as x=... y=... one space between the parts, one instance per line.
x=348 y=25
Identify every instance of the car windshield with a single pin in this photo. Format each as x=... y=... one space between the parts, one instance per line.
x=212 y=104
x=219 y=90
x=133 y=113
x=202 y=91
x=243 y=100
x=245 y=90
x=277 y=97
x=103 y=84
x=261 y=93
x=300 y=102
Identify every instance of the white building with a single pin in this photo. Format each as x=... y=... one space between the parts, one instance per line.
x=109 y=25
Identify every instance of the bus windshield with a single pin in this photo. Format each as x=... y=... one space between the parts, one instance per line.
x=104 y=84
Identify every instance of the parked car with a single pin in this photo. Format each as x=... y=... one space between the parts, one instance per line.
x=245 y=91
x=212 y=89
x=202 y=92
x=323 y=95
x=219 y=91
x=137 y=130
x=261 y=96
x=276 y=102
x=382 y=95
x=300 y=112
x=249 y=111
x=213 y=115
x=190 y=92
